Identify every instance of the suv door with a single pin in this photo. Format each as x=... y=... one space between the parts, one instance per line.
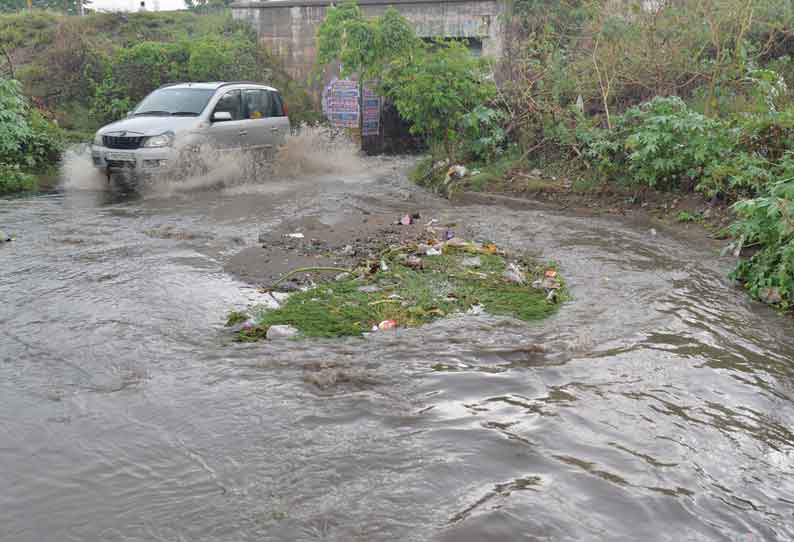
x=228 y=134
x=267 y=121
x=279 y=123
x=256 y=109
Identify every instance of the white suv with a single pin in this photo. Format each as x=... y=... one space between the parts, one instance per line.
x=188 y=116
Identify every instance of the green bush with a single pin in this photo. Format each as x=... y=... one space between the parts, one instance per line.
x=13 y=179
x=768 y=221
x=670 y=146
x=743 y=174
x=483 y=133
x=659 y=144
x=758 y=148
x=28 y=142
x=14 y=129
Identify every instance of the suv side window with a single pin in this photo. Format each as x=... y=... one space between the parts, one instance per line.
x=231 y=103
x=278 y=104
x=257 y=103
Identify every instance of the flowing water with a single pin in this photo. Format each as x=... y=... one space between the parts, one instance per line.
x=656 y=405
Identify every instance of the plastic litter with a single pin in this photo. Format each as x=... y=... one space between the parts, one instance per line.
x=281 y=332
x=432 y=251
x=449 y=234
x=386 y=325
x=406 y=220
x=456 y=172
x=243 y=326
x=475 y=310
x=4 y=237
x=551 y=284
x=369 y=289
x=296 y=235
x=514 y=274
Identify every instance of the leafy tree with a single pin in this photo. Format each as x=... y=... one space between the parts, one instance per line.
x=437 y=90
x=362 y=46
x=435 y=87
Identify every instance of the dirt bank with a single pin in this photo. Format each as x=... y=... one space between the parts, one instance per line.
x=311 y=242
x=688 y=213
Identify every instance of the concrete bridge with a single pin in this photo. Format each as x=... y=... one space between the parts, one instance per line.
x=289 y=27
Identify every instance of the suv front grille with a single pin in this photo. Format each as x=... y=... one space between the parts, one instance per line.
x=119 y=142
x=119 y=164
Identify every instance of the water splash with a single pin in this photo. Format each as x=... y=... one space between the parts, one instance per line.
x=77 y=171
x=312 y=152
x=316 y=151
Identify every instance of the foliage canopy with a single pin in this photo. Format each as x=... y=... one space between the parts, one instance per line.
x=435 y=86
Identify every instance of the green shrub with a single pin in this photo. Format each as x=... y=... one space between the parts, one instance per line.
x=14 y=129
x=483 y=133
x=760 y=142
x=13 y=179
x=28 y=141
x=768 y=221
x=770 y=134
x=669 y=145
x=744 y=174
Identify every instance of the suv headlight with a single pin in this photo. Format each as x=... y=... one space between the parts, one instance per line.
x=162 y=140
x=97 y=139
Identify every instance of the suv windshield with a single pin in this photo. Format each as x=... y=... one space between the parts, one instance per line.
x=175 y=101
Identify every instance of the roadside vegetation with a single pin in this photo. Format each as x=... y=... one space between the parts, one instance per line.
x=86 y=71
x=29 y=143
x=634 y=98
x=679 y=97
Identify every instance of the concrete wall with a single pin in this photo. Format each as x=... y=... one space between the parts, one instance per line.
x=289 y=27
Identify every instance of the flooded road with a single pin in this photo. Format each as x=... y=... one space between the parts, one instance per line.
x=658 y=404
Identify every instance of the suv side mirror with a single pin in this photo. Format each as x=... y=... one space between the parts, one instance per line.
x=220 y=116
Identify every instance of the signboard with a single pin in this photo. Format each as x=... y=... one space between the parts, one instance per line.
x=340 y=103
x=341 y=106
x=370 y=124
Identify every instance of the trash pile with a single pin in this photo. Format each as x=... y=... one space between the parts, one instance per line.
x=435 y=275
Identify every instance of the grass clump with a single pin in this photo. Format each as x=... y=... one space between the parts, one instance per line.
x=412 y=289
x=236 y=317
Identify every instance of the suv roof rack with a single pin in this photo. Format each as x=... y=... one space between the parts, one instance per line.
x=227 y=83
x=220 y=83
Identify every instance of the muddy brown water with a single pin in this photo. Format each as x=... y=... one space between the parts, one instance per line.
x=656 y=405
